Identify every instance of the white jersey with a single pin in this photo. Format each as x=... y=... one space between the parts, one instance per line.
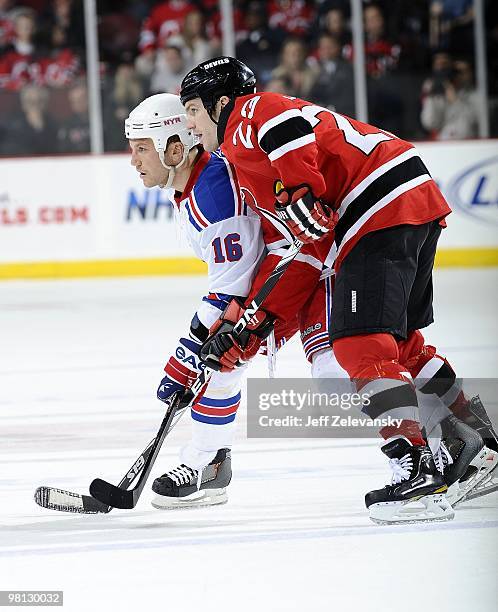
x=227 y=235
x=221 y=230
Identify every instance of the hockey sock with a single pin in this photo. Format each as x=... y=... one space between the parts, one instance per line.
x=372 y=362
x=433 y=373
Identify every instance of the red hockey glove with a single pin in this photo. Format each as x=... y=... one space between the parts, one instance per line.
x=306 y=217
x=223 y=350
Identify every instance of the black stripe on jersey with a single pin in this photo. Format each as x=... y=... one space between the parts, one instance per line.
x=378 y=189
x=390 y=399
x=282 y=133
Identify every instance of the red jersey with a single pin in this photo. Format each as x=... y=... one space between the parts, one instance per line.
x=293 y=16
x=17 y=70
x=165 y=20
x=372 y=178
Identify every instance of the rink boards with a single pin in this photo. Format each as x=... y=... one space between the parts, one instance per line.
x=91 y=216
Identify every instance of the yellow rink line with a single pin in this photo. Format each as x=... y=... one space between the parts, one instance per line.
x=190 y=266
x=107 y=267
x=466 y=258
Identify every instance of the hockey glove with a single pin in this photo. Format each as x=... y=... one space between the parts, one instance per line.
x=306 y=216
x=224 y=350
x=182 y=369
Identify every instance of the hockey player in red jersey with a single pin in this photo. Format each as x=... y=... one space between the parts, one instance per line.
x=367 y=208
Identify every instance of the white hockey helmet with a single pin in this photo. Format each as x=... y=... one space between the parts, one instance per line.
x=159 y=117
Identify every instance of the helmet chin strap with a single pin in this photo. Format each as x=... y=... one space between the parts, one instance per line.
x=171 y=169
x=210 y=114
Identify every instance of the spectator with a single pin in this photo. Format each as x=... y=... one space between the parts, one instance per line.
x=382 y=55
x=334 y=23
x=294 y=67
x=165 y=20
x=449 y=105
x=118 y=38
x=32 y=131
x=293 y=16
x=281 y=85
x=64 y=25
x=17 y=65
x=127 y=92
x=385 y=105
x=441 y=71
x=259 y=44
x=211 y=10
x=74 y=133
x=7 y=30
x=450 y=25
x=169 y=70
x=24 y=63
x=193 y=40
x=334 y=86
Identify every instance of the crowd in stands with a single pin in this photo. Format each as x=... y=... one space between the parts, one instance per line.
x=419 y=61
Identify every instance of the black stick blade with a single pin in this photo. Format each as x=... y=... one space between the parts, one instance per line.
x=112 y=495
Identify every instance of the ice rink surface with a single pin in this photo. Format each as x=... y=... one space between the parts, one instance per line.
x=79 y=366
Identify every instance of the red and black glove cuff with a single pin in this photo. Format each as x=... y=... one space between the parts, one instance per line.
x=306 y=216
x=224 y=349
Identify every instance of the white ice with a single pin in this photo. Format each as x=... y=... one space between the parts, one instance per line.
x=79 y=366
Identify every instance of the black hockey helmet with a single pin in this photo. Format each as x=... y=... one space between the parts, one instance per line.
x=221 y=76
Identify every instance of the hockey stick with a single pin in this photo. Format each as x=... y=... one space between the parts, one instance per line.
x=53 y=498
x=118 y=497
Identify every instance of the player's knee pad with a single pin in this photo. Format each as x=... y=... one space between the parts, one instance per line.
x=372 y=361
x=368 y=356
x=432 y=372
x=411 y=347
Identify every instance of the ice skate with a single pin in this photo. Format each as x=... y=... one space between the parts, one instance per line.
x=184 y=487
x=417 y=491
x=463 y=459
x=480 y=422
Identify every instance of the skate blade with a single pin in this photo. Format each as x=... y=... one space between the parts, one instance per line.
x=485 y=463
x=488 y=483
x=199 y=499
x=426 y=509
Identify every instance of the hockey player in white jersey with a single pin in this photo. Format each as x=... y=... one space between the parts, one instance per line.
x=225 y=234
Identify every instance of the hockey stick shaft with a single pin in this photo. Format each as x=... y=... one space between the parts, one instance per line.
x=52 y=498
x=268 y=286
x=120 y=498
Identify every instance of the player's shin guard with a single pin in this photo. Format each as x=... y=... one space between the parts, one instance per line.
x=372 y=363
x=432 y=373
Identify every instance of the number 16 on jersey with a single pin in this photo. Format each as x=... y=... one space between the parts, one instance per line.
x=227 y=249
